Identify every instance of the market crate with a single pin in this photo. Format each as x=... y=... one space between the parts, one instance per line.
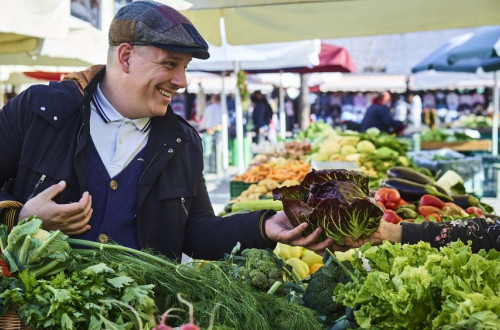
x=469 y=168
x=458 y=146
x=237 y=187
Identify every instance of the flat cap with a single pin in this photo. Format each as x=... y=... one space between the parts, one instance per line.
x=151 y=23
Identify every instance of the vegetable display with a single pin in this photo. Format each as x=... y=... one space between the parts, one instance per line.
x=108 y=286
x=336 y=200
x=418 y=287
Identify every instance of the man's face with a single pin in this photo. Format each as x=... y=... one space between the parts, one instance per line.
x=155 y=76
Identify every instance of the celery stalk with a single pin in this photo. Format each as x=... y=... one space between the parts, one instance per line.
x=23 y=253
x=96 y=245
x=38 y=251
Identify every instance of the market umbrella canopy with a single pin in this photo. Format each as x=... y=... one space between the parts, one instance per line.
x=439 y=60
x=25 y=23
x=84 y=45
x=331 y=59
x=483 y=44
x=468 y=53
x=258 y=57
x=259 y=21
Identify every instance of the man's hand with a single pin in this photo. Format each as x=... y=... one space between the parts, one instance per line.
x=279 y=229
x=386 y=231
x=71 y=219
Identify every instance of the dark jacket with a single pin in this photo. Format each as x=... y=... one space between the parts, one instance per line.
x=483 y=233
x=45 y=131
x=379 y=116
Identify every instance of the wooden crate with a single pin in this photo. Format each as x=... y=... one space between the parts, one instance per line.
x=458 y=146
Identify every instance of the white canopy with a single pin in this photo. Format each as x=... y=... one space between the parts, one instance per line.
x=84 y=45
x=25 y=22
x=260 y=56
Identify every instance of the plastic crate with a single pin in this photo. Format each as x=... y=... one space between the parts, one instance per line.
x=491 y=165
x=469 y=168
x=237 y=187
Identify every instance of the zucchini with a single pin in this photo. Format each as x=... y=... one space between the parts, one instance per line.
x=412 y=191
x=464 y=201
x=406 y=173
x=256 y=205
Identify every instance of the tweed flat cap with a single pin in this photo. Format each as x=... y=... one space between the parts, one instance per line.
x=151 y=23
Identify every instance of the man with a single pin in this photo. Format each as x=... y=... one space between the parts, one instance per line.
x=102 y=156
x=261 y=114
x=379 y=115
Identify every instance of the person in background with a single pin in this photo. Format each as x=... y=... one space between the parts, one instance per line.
x=212 y=119
x=379 y=115
x=102 y=156
x=484 y=233
x=401 y=109
x=261 y=115
x=415 y=112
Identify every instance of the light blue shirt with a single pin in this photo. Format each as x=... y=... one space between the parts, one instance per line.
x=116 y=138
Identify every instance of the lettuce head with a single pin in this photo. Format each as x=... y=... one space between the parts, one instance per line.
x=336 y=200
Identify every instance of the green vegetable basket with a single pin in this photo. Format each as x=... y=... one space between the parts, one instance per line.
x=11 y=321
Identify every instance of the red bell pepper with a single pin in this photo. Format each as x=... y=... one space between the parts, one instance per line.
x=389 y=196
x=402 y=202
x=475 y=211
x=381 y=205
x=4 y=267
x=391 y=216
x=425 y=210
x=431 y=201
x=436 y=217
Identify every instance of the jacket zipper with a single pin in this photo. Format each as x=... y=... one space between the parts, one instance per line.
x=40 y=181
x=151 y=162
x=183 y=202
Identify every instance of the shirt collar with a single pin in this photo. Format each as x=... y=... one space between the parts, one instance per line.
x=109 y=114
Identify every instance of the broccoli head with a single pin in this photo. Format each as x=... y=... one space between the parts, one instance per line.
x=261 y=268
x=320 y=290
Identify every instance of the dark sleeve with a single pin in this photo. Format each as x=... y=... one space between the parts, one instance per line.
x=483 y=233
x=12 y=127
x=389 y=121
x=210 y=237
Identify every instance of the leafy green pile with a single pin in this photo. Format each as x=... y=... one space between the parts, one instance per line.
x=336 y=200
x=85 y=299
x=214 y=291
x=418 y=287
x=30 y=247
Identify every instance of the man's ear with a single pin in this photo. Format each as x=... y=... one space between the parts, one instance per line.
x=124 y=52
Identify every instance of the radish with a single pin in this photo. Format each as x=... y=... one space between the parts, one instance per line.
x=190 y=325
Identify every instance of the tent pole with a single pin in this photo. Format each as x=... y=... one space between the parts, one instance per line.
x=281 y=107
x=239 y=123
x=225 y=126
x=496 y=104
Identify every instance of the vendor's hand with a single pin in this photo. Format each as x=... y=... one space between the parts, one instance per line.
x=386 y=231
x=278 y=228
x=71 y=219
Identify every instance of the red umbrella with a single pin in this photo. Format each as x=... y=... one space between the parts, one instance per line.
x=51 y=76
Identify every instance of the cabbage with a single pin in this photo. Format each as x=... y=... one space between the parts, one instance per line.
x=336 y=200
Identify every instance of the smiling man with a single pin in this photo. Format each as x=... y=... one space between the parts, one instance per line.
x=102 y=156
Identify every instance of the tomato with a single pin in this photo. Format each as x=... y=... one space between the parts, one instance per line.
x=475 y=211
x=391 y=216
x=389 y=196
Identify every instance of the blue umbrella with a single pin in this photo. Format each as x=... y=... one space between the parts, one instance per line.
x=483 y=44
x=468 y=53
x=438 y=60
